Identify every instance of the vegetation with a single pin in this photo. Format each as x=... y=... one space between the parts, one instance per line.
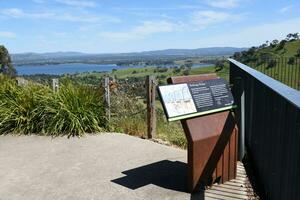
x=288 y=47
x=278 y=59
x=36 y=109
x=5 y=63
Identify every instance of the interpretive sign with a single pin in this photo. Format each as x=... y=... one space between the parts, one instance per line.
x=186 y=100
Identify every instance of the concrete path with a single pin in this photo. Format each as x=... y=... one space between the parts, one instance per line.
x=107 y=166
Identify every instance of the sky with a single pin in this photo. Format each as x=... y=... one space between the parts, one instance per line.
x=115 y=26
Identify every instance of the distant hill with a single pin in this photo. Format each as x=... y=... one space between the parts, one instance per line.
x=61 y=57
x=277 y=59
x=286 y=48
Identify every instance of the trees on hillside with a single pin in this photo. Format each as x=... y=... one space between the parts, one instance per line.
x=6 y=66
x=292 y=36
x=265 y=52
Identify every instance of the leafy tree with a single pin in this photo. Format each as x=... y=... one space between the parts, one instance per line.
x=292 y=36
x=274 y=43
x=219 y=66
x=296 y=36
x=6 y=66
x=281 y=44
x=289 y=36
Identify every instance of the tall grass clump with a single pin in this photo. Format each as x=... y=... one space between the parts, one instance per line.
x=76 y=110
x=36 y=109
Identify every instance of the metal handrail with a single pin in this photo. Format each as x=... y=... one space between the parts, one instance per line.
x=292 y=95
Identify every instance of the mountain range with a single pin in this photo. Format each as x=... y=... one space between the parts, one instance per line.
x=28 y=58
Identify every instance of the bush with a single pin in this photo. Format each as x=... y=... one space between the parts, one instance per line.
x=36 y=109
x=271 y=64
x=291 y=61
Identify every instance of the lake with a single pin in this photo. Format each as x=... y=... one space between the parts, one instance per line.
x=73 y=68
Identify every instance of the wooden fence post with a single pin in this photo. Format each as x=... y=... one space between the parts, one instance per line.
x=55 y=84
x=107 y=97
x=151 y=114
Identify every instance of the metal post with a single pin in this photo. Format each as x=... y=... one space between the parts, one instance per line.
x=55 y=85
x=107 y=97
x=151 y=114
x=241 y=153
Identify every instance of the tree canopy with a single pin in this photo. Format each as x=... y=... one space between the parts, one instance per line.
x=6 y=66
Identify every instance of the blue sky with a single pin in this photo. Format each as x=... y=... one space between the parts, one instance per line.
x=107 y=26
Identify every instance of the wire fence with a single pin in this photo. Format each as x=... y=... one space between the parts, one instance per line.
x=285 y=70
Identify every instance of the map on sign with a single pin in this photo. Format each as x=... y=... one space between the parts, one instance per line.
x=178 y=100
x=192 y=99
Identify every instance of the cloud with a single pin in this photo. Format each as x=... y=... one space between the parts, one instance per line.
x=78 y=3
x=223 y=3
x=141 y=31
x=60 y=16
x=286 y=8
x=19 y=13
x=7 y=34
x=203 y=19
x=253 y=35
x=39 y=1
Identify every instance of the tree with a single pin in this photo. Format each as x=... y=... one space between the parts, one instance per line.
x=274 y=43
x=289 y=36
x=296 y=36
x=281 y=44
x=267 y=43
x=6 y=66
x=219 y=66
x=292 y=36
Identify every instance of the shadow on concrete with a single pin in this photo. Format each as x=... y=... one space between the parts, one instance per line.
x=166 y=174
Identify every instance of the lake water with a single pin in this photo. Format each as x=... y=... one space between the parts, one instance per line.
x=74 y=68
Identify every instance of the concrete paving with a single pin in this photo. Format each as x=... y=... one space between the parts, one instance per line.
x=106 y=166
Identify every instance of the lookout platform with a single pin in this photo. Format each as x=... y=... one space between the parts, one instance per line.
x=106 y=166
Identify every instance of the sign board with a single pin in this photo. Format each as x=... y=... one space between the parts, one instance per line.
x=186 y=100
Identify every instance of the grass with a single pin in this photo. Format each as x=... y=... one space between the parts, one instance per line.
x=36 y=109
x=128 y=110
x=171 y=132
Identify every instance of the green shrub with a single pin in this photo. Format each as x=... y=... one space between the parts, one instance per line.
x=36 y=109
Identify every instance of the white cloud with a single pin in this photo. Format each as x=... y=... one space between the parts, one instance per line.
x=141 y=31
x=205 y=18
x=7 y=34
x=223 y=3
x=39 y=1
x=254 y=35
x=286 y=8
x=78 y=3
x=60 y=16
x=19 y=13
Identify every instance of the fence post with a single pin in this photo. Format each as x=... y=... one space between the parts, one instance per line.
x=151 y=114
x=107 y=97
x=55 y=84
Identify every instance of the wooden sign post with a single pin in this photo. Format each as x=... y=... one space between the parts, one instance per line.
x=212 y=140
x=151 y=114
x=107 y=97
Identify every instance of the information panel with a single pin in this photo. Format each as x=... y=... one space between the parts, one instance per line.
x=186 y=100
